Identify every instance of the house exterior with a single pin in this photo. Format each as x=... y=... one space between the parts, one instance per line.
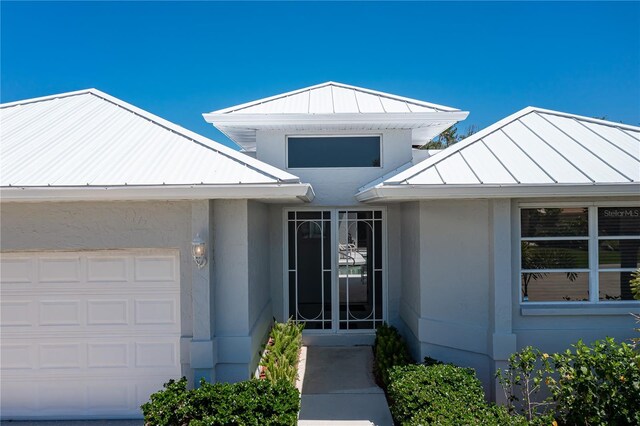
x=134 y=251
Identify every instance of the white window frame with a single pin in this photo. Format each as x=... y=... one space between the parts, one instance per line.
x=593 y=246
x=340 y=135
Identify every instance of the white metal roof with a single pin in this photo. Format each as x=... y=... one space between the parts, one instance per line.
x=333 y=106
x=87 y=140
x=552 y=151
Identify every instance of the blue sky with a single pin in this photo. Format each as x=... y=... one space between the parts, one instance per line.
x=179 y=60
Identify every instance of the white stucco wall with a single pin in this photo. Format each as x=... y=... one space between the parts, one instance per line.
x=336 y=186
x=112 y=225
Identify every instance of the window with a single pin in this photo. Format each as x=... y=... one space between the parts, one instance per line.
x=333 y=151
x=618 y=251
x=578 y=254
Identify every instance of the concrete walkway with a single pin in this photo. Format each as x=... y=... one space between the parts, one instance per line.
x=338 y=388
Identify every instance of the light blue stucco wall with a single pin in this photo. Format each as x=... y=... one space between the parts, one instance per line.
x=241 y=276
x=460 y=289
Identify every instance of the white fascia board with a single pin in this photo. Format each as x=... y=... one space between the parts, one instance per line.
x=253 y=121
x=434 y=192
x=302 y=192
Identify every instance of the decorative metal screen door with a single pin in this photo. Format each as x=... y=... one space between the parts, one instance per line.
x=335 y=269
x=360 y=269
x=309 y=234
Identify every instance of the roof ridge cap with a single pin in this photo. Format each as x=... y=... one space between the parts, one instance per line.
x=268 y=99
x=195 y=137
x=437 y=107
x=49 y=97
x=608 y=123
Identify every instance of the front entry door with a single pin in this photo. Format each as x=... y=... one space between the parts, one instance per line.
x=335 y=269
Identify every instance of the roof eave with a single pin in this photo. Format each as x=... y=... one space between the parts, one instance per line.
x=450 y=191
x=298 y=192
x=255 y=120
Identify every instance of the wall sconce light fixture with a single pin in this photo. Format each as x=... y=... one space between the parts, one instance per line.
x=199 y=251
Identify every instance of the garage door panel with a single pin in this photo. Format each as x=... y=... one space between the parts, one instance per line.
x=59 y=270
x=108 y=355
x=16 y=313
x=156 y=354
x=59 y=312
x=108 y=269
x=60 y=355
x=16 y=271
x=17 y=356
x=87 y=334
x=114 y=312
x=18 y=398
x=155 y=269
x=108 y=397
x=155 y=311
x=61 y=397
x=119 y=397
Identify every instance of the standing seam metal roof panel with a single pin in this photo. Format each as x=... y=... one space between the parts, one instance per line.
x=88 y=138
x=536 y=147
x=324 y=99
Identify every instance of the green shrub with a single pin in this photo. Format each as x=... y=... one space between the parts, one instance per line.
x=280 y=358
x=597 y=385
x=523 y=380
x=442 y=394
x=390 y=350
x=252 y=402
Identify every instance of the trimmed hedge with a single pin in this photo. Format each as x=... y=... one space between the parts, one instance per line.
x=251 y=402
x=389 y=350
x=442 y=394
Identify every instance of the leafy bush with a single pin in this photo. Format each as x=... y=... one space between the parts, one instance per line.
x=280 y=358
x=442 y=394
x=597 y=385
x=252 y=402
x=594 y=385
x=389 y=350
x=522 y=382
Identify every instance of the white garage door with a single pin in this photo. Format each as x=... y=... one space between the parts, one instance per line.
x=87 y=334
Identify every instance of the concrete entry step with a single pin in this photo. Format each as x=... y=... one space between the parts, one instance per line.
x=338 y=388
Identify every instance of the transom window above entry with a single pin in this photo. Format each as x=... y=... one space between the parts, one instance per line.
x=333 y=151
